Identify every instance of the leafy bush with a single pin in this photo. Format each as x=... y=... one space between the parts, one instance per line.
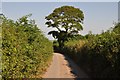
x=25 y=50
x=98 y=55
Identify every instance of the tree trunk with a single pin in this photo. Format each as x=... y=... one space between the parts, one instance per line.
x=61 y=44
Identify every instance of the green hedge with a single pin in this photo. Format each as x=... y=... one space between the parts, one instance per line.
x=98 y=55
x=25 y=50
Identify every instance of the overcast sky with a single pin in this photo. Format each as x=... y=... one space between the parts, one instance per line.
x=98 y=15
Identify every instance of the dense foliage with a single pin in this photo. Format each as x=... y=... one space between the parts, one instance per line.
x=98 y=55
x=67 y=20
x=25 y=50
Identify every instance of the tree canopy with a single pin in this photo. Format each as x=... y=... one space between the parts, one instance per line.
x=67 y=20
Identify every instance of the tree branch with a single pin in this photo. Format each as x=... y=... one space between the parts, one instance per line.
x=58 y=29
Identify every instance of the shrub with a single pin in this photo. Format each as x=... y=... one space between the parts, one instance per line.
x=98 y=55
x=25 y=50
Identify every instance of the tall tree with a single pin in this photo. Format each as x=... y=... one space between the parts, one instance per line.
x=67 y=20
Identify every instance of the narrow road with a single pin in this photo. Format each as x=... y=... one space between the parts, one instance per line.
x=63 y=67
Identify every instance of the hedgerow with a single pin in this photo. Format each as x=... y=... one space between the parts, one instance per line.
x=98 y=55
x=25 y=51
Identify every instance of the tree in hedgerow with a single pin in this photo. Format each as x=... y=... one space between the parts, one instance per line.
x=67 y=20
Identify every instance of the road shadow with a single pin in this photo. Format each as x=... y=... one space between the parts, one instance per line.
x=75 y=69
